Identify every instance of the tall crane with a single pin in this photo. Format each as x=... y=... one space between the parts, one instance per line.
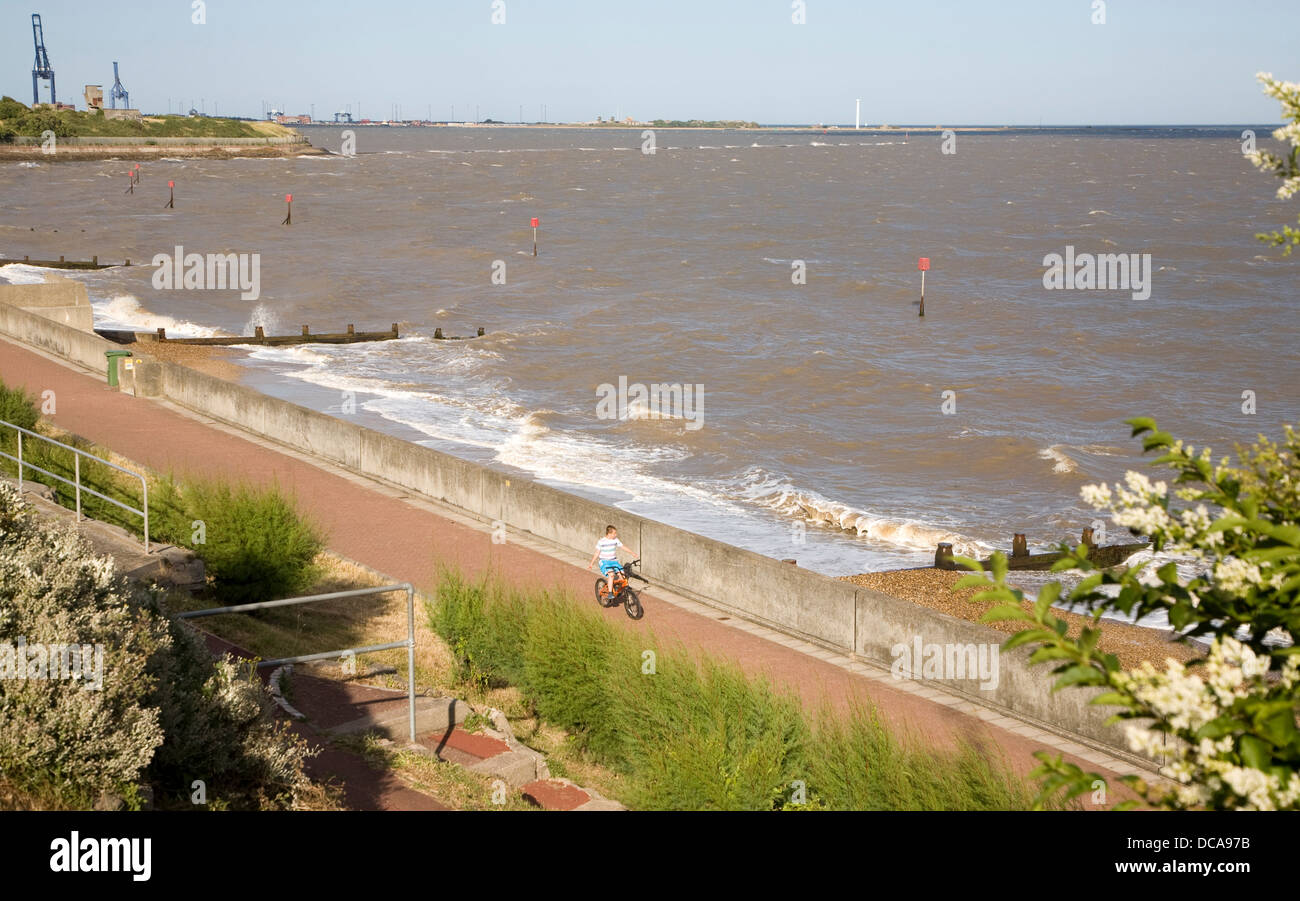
x=41 y=68
x=118 y=92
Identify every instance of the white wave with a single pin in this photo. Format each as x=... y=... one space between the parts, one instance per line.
x=780 y=495
x=29 y=165
x=22 y=274
x=1062 y=460
x=125 y=312
x=263 y=316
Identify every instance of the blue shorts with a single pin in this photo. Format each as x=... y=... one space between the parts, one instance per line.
x=609 y=566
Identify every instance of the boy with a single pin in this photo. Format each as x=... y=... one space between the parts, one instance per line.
x=607 y=553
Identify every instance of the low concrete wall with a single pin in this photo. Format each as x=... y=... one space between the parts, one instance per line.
x=30 y=328
x=59 y=299
x=833 y=614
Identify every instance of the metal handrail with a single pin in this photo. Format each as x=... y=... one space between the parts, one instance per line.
x=409 y=644
x=76 y=479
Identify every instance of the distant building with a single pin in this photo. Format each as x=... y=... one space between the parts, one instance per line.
x=94 y=95
x=293 y=120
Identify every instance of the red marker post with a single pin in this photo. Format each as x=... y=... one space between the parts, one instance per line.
x=137 y=173
x=534 y=236
x=130 y=182
x=924 y=265
x=171 y=200
x=288 y=219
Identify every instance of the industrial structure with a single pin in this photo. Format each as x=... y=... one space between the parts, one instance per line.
x=118 y=92
x=41 y=69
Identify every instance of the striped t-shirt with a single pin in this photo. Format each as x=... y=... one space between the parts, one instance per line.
x=608 y=548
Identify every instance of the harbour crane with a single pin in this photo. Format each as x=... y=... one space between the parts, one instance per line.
x=42 y=68
x=118 y=92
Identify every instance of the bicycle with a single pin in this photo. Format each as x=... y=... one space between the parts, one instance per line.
x=622 y=592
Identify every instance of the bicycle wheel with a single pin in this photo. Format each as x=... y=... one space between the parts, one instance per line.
x=603 y=599
x=633 y=604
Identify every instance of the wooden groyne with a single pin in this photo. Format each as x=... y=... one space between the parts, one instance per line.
x=351 y=336
x=61 y=263
x=1020 y=558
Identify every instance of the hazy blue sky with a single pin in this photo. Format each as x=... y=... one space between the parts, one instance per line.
x=911 y=61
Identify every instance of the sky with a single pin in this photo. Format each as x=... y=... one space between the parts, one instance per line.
x=912 y=62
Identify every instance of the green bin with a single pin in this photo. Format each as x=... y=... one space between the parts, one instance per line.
x=112 y=364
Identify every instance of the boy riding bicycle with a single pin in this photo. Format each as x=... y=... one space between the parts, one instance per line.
x=607 y=554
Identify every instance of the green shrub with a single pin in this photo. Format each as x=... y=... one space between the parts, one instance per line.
x=11 y=108
x=573 y=662
x=220 y=727
x=484 y=623
x=56 y=736
x=165 y=715
x=255 y=545
x=16 y=407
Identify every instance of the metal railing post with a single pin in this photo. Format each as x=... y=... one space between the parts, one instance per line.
x=76 y=475
x=410 y=654
x=145 y=486
x=20 y=462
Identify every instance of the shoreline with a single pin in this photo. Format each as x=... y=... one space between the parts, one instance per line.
x=101 y=152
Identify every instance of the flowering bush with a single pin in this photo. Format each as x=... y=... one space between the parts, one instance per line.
x=1226 y=726
x=164 y=713
x=1285 y=167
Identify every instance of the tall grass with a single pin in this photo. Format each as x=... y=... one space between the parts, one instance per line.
x=691 y=731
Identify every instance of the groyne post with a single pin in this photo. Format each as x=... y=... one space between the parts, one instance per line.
x=1019 y=547
x=943 y=556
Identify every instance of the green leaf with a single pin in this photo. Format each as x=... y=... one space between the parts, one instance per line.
x=1078 y=675
x=999 y=566
x=1005 y=612
x=1255 y=752
x=1046 y=598
x=1112 y=699
x=1141 y=424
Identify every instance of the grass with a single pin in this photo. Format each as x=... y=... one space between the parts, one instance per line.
x=680 y=731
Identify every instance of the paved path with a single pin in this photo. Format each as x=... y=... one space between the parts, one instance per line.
x=404 y=536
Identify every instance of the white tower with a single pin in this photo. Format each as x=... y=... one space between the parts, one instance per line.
x=857 y=116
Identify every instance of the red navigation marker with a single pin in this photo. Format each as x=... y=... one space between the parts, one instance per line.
x=534 y=222
x=534 y=236
x=924 y=265
x=288 y=217
x=171 y=184
x=288 y=198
